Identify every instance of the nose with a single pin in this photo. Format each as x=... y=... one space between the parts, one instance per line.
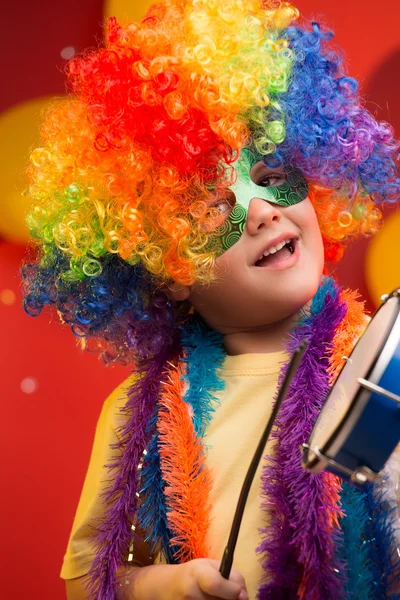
x=261 y=214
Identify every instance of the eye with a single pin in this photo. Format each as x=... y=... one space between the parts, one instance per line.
x=223 y=206
x=272 y=180
x=267 y=176
x=219 y=211
x=226 y=203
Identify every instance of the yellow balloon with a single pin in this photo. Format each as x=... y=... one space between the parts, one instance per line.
x=382 y=265
x=126 y=10
x=19 y=134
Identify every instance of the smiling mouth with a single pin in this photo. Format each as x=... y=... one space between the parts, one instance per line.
x=277 y=254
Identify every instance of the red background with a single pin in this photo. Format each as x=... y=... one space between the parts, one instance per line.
x=46 y=435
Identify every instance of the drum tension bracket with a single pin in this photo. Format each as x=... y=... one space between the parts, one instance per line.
x=361 y=475
x=372 y=387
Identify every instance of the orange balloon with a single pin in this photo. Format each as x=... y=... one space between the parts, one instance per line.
x=126 y=10
x=19 y=134
x=382 y=265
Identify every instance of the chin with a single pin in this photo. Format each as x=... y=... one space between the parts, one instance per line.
x=300 y=294
x=310 y=289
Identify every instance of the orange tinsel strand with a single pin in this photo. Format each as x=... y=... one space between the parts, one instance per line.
x=184 y=470
x=348 y=331
x=345 y=338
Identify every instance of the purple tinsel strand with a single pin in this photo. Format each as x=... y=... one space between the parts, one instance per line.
x=299 y=542
x=114 y=534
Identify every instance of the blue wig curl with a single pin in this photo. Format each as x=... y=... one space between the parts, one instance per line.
x=330 y=136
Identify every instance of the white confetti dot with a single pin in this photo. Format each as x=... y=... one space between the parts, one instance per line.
x=29 y=385
x=68 y=52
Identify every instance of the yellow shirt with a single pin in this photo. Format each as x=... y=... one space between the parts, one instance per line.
x=232 y=437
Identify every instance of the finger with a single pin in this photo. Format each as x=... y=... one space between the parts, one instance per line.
x=242 y=596
x=235 y=575
x=212 y=583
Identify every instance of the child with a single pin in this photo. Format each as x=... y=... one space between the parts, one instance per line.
x=214 y=158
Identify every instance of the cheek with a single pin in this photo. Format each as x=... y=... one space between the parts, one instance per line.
x=227 y=263
x=226 y=273
x=313 y=239
x=308 y=223
x=317 y=237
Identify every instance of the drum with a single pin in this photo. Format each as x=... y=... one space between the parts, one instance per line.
x=358 y=427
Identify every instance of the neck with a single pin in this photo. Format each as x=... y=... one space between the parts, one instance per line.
x=264 y=339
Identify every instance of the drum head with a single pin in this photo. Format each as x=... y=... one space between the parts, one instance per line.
x=347 y=399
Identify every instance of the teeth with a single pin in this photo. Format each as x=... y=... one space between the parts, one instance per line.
x=274 y=249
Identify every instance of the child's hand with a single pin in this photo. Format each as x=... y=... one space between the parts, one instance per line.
x=200 y=579
x=197 y=579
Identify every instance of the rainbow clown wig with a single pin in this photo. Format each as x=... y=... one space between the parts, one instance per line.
x=132 y=161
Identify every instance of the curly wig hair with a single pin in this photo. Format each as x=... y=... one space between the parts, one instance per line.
x=132 y=159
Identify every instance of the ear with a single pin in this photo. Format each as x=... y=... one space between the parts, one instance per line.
x=177 y=292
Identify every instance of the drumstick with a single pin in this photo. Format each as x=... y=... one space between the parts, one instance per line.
x=227 y=559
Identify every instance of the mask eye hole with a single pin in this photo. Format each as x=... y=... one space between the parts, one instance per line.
x=226 y=202
x=272 y=180
x=265 y=176
x=218 y=211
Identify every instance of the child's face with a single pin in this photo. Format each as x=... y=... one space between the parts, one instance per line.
x=250 y=293
x=253 y=178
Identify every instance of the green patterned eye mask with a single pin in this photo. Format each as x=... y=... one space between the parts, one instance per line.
x=291 y=191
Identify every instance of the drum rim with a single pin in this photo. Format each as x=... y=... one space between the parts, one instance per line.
x=342 y=431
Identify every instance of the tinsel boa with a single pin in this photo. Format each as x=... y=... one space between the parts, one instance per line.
x=299 y=542
x=316 y=546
